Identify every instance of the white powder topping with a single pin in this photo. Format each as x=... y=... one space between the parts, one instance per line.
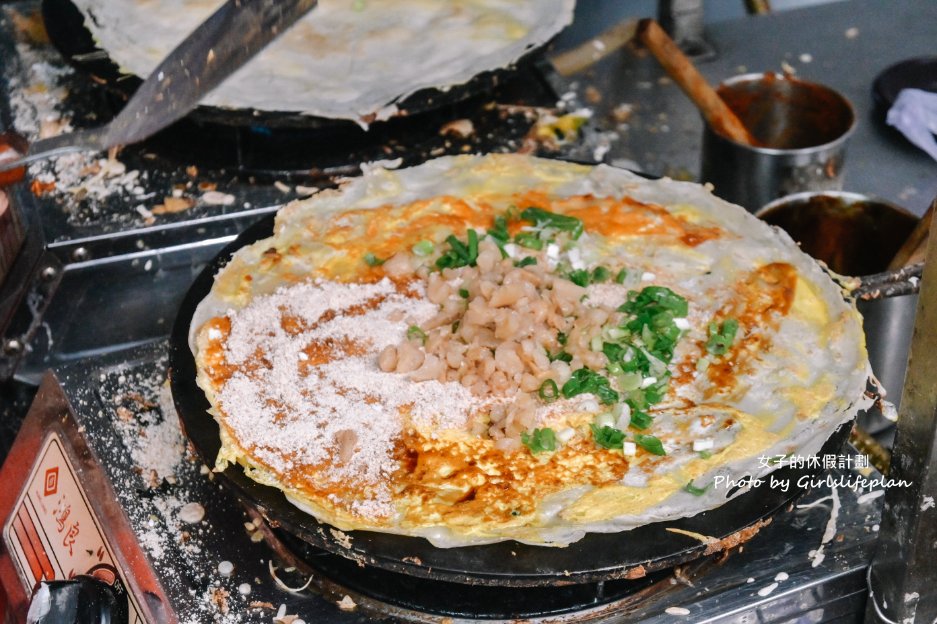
x=609 y=295
x=293 y=415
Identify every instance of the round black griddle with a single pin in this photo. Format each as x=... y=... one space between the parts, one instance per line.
x=596 y=557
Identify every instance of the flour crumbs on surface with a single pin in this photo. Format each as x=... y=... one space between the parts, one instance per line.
x=308 y=388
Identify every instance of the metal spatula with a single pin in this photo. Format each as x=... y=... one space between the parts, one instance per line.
x=219 y=46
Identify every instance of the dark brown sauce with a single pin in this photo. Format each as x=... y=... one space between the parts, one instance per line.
x=787 y=113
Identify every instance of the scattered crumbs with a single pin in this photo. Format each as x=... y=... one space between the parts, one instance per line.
x=852 y=32
x=244 y=589
x=806 y=58
x=347 y=604
x=912 y=597
x=462 y=128
x=787 y=68
x=343 y=539
x=875 y=528
x=172 y=205
x=869 y=496
x=283 y=188
x=766 y=591
x=191 y=513
x=225 y=568
x=219 y=597
x=306 y=191
x=217 y=198
x=677 y=611
x=781 y=576
x=622 y=113
x=750 y=580
x=816 y=557
x=927 y=503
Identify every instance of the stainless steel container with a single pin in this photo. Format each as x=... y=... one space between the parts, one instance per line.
x=858 y=235
x=802 y=128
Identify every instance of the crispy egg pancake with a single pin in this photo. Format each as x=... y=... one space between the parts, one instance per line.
x=346 y=59
x=485 y=348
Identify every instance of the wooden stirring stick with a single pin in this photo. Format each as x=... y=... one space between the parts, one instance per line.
x=681 y=69
x=912 y=250
x=587 y=54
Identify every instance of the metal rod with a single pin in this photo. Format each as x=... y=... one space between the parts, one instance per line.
x=902 y=572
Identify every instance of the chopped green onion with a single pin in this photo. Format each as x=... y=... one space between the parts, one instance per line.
x=371 y=260
x=579 y=277
x=455 y=326
x=548 y=391
x=423 y=248
x=560 y=356
x=641 y=420
x=705 y=454
x=584 y=380
x=565 y=223
x=600 y=274
x=539 y=440
x=414 y=332
x=650 y=443
x=721 y=337
x=527 y=261
x=660 y=296
x=695 y=491
x=464 y=293
x=459 y=254
x=530 y=240
x=596 y=343
x=607 y=437
x=620 y=277
x=499 y=231
x=561 y=338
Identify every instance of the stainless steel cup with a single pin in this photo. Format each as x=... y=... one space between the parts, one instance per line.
x=802 y=128
x=858 y=235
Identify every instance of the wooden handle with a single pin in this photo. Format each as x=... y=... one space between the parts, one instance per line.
x=913 y=249
x=681 y=69
x=586 y=54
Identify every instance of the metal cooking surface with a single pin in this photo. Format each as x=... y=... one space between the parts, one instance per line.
x=598 y=556
x=122 y=404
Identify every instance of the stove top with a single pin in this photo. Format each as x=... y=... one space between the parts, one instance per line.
x=116 y=243
x=211 y=559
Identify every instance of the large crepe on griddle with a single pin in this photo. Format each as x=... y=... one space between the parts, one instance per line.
x=347 y=59
x=291 y=344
